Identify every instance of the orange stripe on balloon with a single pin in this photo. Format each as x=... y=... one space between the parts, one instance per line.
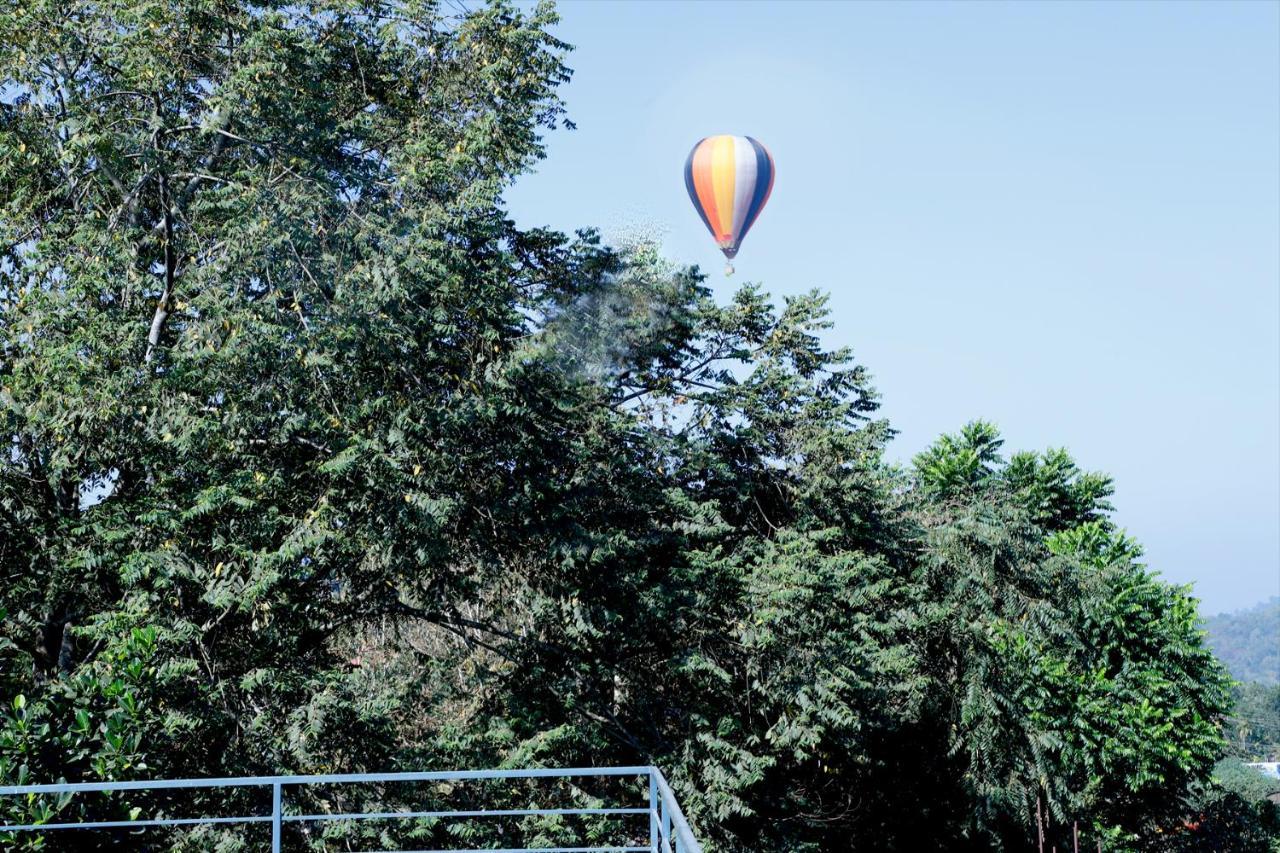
x=702 y=183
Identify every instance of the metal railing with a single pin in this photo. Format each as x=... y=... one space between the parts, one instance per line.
x=668 y=830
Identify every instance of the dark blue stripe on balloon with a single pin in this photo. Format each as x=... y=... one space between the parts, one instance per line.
x=693 y=190
x=764 y=180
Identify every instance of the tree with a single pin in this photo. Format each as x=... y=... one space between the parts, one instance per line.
x=317 y=462
x=251 y=257
x=1254 y=725
x=1232 y=812
x=1070 y=677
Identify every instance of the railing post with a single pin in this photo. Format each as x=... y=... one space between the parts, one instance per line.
x=666 y=822
x=653 y=812
x=275 y=818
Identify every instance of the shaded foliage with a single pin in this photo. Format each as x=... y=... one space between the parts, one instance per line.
x=1253 y=727
x=318 y=463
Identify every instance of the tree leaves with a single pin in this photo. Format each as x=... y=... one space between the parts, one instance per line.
x=317 y=462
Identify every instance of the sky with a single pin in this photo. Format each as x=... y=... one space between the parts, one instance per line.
x=1060 y=217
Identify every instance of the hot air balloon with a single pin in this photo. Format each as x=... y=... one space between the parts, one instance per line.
x=729 y=179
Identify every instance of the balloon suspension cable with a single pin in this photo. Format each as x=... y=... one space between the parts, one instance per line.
x=728 y=268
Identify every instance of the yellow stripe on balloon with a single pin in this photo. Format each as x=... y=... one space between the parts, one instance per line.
x=724 y=168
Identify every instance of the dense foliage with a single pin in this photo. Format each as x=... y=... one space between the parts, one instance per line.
x=1253 y=728
x=1248 y=641
x=319 y=463
x=1238 y=810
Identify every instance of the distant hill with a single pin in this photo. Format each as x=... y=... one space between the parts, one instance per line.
x=1248 y=641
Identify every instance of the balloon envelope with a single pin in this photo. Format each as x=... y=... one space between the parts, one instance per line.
x=729 y=179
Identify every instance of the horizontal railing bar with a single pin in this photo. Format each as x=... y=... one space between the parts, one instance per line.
x=476 y=813
x=329 y=779
x=526 y=850
x=126 y=824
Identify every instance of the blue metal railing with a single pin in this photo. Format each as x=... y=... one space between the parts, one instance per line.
x=668 y=830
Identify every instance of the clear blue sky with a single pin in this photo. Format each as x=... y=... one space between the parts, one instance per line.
x=1061 y=217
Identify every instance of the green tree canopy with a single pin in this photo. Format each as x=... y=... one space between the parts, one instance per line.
x=319 y=463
